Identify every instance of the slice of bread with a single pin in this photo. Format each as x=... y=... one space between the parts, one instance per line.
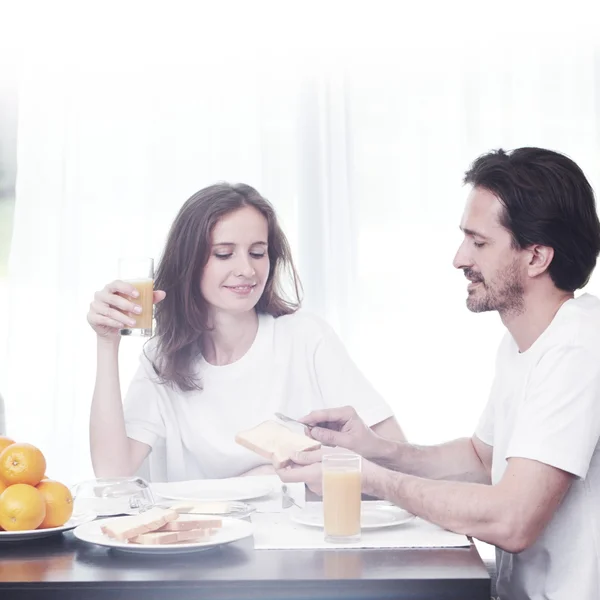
x=124 y=528
x=173 y=537
x=275 y=442
x=186 y=525
x=202 y=508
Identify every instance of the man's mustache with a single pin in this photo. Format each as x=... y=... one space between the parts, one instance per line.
x=472 y=276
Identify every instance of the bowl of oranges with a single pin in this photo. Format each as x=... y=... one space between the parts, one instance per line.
x=31 y=504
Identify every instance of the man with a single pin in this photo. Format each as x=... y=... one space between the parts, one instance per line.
x=531 y=238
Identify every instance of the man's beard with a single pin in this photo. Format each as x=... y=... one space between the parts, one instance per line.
x=504 y=293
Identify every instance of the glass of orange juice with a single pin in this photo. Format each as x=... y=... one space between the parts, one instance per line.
x=140 y=273
x=341 y=497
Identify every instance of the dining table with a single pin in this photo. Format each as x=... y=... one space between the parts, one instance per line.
x=268 y=551
x=63 y=567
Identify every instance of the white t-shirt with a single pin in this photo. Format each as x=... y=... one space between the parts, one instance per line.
x=545 y=406
x=295 y=365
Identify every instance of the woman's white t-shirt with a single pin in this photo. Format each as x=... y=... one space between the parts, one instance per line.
x=296 y=364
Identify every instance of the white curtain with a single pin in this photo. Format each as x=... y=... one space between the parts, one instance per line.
x=363 y=161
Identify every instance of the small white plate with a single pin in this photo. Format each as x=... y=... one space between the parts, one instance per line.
x=373 y=515
x=32 y=534
x=220 y=490
x=232 y=530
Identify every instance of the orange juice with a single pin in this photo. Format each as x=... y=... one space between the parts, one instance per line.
x=341 y=502
x=145 y=287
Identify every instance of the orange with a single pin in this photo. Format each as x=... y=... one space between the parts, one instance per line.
x=5 y=441
x=59 y=503
x=22 y=507
x=22 y=463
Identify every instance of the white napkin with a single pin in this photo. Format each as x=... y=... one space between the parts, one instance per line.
x=279 y=532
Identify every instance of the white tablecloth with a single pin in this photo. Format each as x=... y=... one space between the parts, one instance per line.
x=278 y=532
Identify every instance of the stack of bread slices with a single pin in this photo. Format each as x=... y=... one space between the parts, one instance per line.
x=161 y=526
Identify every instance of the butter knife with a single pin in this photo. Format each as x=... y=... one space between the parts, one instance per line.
x=287 y=419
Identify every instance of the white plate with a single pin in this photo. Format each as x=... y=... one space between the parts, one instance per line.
x=231 y=531
x=220 y=490
x=372 y=515
x=32 y=534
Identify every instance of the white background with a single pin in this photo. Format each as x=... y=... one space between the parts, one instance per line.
x=356 y=120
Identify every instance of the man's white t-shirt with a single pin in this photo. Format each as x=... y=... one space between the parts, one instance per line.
x=296 y=364
x=545 y=406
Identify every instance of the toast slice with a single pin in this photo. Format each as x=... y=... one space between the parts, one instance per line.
x=189 y=524
x=172 y=537
x=124 y=528
x=202 y=508
x=275 y=442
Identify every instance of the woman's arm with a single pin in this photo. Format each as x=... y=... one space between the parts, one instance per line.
x=341 y=383
x=260 y=470
x=113 y=453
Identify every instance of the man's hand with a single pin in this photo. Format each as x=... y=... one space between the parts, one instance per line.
x=307 y=469
x=343 y=427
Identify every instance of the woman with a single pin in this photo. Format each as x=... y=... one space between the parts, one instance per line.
x=229 y=350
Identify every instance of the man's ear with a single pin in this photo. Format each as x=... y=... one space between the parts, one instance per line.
x=540 y=258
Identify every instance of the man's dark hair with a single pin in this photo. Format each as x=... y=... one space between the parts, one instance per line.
x=548 y=201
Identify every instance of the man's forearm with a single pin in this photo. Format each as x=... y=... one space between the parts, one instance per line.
x=468 y=508
x=455 y=460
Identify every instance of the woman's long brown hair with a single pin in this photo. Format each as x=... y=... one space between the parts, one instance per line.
x=182 y=317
